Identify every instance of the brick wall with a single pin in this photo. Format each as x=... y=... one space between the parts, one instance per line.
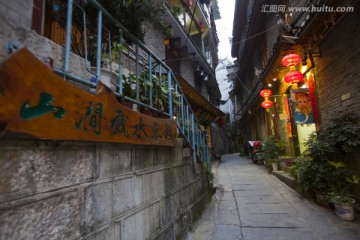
x=154 y=40
x=69 y=190
x=337 y=76
x=337 y=71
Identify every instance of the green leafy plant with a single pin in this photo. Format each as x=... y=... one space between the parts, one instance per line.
x=209 y=174
x=318 y=148
x=326 y=152
x=315 y=176
x=273 y=148
x=338 y=137
x=177 y=10
x=342 y=180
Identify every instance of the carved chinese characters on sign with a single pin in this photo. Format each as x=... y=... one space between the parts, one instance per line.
x=36 y=103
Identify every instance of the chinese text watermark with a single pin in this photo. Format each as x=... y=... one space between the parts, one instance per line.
x=323 y=8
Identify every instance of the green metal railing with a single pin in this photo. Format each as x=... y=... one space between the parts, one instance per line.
x=137 y=75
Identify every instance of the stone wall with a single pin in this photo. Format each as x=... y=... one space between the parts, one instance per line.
x=73 y=190
x=40 y=46
x=78 y=190
x=219 y=141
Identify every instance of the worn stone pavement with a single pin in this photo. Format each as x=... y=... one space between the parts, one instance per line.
x=252 y=204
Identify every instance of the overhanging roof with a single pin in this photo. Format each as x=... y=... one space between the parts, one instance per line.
x=204 y=110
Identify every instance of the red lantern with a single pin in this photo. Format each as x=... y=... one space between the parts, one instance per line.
x=291 y=60
x=189 y=3
x=267 y=104
x=294 y=78
x=266 y=93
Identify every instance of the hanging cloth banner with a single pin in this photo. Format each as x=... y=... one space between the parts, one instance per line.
x=35 y=103
x=302 y=106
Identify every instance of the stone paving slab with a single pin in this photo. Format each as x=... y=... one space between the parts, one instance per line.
x=226 y=204
x=275 y=198
x=254 y=193
x=226 y=232
x=246 y=187
x=265 y=208
x=273 y=220
x=251 y=204
x=278 y=234
x=229 y=217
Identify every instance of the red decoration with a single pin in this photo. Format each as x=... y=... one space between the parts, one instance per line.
x=189 y=3
x=266 y=93
x=291 y=60
x=267 y=104
x=294 y=77
x=201 y=25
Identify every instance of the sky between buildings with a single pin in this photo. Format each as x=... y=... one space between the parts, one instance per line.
x=224 y=31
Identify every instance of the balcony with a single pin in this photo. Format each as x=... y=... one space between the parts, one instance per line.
x=134 y=73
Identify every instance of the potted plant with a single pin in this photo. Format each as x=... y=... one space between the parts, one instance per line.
x=340 y=194
x=315 y=177
x=332 y=144
x=273 y=148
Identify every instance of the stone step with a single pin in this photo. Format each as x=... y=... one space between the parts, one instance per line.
x=286 y=178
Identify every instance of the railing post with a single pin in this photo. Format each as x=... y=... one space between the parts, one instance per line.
x=68 y=35
x=170 y=94
x=193 y=137
x=150 y=79
x=98 y=52
x=121 y=65
x=183 y=119
x=137 y=72
x=188 y=122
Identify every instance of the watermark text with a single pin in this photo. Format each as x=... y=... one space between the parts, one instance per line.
x=310 y=9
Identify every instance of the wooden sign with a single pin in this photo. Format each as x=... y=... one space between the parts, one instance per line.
x=37 y=103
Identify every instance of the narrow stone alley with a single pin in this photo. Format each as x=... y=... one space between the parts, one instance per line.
x=250 y=203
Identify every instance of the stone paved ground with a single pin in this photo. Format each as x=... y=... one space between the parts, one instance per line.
x=251 y=204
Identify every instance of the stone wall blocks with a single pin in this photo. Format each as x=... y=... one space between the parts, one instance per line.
x=144 y=158
x=187 y=152
x=123 y=198
x=113 y=160
x=34 y=167
x=50 y=218
x=97 y=206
